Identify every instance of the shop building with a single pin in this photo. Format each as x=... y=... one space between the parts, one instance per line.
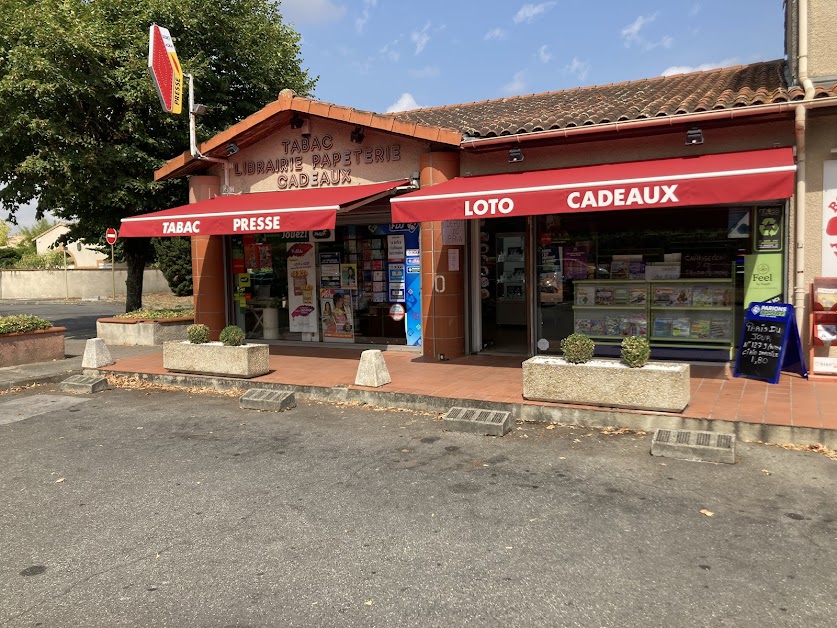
x=656 y=207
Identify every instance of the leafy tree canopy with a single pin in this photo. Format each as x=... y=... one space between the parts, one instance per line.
x=81 y=126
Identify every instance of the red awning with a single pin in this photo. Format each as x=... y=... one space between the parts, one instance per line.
x=261 y=212
x=743 y=177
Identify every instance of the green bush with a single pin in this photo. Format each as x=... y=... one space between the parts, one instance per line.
x=9 y=256
x=54 y=259
x=198 y=333
x=577 y=348
x=19 y=323
x=232 y=336
x=635 y=351
x=174 y=258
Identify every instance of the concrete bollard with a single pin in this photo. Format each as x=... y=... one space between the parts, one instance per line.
x=372 y=370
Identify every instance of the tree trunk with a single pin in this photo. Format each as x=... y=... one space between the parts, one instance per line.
x=137 y=253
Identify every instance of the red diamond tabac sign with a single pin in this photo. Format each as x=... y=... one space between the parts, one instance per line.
x=165 y=69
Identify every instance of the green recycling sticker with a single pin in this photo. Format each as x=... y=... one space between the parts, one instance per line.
x=768 y=232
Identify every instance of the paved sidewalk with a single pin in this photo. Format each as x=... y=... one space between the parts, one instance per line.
x=792 y=411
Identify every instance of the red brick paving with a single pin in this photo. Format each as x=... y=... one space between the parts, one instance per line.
x=715 y=393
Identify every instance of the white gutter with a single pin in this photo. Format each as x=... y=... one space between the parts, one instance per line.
x=799 y=287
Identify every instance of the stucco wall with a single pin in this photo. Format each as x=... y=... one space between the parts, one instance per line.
x=385 y=162
x=73 y=284
x=821 y=139
x=822 y=42
x=84 y=258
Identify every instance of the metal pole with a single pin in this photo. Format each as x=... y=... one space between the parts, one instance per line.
x=113 y=271
x=66 y=277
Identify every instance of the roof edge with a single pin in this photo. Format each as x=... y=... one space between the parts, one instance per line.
x=289 y=101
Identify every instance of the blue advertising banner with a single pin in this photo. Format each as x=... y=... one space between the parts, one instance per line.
x=770 y=343
x=412 y=286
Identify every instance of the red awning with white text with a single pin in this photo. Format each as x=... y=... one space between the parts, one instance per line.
x=743 y=177
x=310 y=209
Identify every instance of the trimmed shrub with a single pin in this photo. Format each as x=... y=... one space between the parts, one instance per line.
x=635 y=351
x=148 y=312
x=232 y=336
x=20 y=323
x=578 y=348
x=198 y=333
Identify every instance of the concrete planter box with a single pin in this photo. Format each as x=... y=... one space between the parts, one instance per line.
x=215 y=358
x=662 y=386
x=30 y=347
x=130 y=332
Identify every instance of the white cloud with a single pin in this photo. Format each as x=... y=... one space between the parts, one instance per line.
x=391 y=52
x=405 y=103
x=516 y=85
x=312 y=11
x=684 y=69
x=632 y=34
x=528 y=12
x=421 y=38
x=495 y=33
x=578 y=68
x=360 y=22
x=544 y=55
x=428 y=71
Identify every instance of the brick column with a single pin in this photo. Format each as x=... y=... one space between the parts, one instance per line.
x=208 y=264
x=443 y=312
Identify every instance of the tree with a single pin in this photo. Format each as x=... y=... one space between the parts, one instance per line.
x=174 y=257
x=81 y=127
x=30 y=234
x=5 y=230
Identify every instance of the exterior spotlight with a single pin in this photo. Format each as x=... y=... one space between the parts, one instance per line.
x=357 y=136
x=232 y=149
x=515 y=155
x=296 y=121
x=694 y=136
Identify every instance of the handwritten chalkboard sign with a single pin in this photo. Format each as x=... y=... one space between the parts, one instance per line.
x=769 y=343
x=705 y=265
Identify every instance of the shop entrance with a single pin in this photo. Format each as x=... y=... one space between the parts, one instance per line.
x=502 y=272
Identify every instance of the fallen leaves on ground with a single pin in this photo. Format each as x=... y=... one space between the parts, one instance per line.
x=707 y=513
x=59 y=480
x=17 y=389
x=619 y=431
x=137 y=383
x=817 y=448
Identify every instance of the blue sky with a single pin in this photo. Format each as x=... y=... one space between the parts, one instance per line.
x=382 y=55
x=386 y=55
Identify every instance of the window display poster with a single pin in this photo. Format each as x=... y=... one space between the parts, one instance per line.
x=348 y=276
x=396 y=283
x=768 y=231
x=575 y=263
x=396 y=247
x=763 y=278
x=329 y=270
x=302 y=294
x=829 y=218
x=337 y=315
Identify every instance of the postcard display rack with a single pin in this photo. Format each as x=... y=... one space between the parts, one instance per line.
x=511 y=306
x=672 y=313
x=822 y=358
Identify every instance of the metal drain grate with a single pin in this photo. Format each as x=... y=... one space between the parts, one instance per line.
x=694 y=445
x=265 y=399
x=478 y=421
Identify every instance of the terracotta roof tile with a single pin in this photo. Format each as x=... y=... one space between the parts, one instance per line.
x=724 y=88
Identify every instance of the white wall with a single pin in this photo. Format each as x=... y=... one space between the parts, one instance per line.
x=74 y=283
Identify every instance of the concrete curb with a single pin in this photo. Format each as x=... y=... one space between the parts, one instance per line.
x=606 y=417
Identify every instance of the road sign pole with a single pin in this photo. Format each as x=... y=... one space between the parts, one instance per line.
x=113 y=272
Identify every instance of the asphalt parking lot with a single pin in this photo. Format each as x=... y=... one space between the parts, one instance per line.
x=152 y=507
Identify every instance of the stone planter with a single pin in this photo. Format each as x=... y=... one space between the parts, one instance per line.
x=662 y=386
x=214 y=358
x=130 y=332
x=34 y=346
